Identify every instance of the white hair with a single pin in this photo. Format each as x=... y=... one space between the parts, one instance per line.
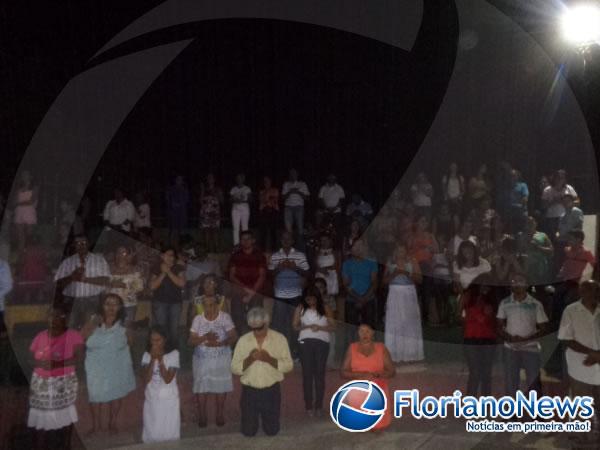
x=257 y=317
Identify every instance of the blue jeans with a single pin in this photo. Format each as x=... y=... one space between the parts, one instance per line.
x=294 y=215
x=167 y=315
x=513 y=362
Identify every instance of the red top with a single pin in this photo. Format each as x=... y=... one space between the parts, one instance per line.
x=422 y=246
x=247 y=266
x=480 y=318
x=576 y=258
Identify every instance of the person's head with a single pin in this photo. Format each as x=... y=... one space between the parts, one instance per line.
x=568 y=201
x=442 y=240
x=321 y=285
x=589 y=291
x=267 y=182
x=210 y=179
x=240 y=179
x=576 y=237
x=421 y=177
x=293 y=175
x=468 y=254
x=210 y=285
x=81 y=244
x=466 y=229
x=118 y=194
x=247 y=240
x=444 y=209
x=287 y=240
x=313 y=299
x=123 y=256
x=453 y=168
x=422 y=223
x=331 y=179
x=325 y=241
x=258 y=319
x=356 y=199
x=355 y=228
x=112 y=308
x=58 y=315
x=508 y=246
x=400 y=252
x=365 y=333
x=515 y=176
x=200 y=252
x=482 y=286
x=168 y=255
x=209 y=301
x=482 y=171
x=518 y=284
x=560 y=178
x=531 y=225
x=359 y=249
x=179 y=180
x=158 y=340
x=544 y=182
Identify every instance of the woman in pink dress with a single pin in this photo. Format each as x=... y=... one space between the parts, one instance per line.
x=55 y=354
x=25 y=209
x=370 y=360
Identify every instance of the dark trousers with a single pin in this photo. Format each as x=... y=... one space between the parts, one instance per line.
x=283 y=315
x=239 y=311
x=260 y=404
x=267 y=228
x=479 y=354
x=355 y=315
x=513 y=362
x=168 y=315
x=313 y=357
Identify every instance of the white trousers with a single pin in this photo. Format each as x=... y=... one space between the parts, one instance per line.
x=240 y=214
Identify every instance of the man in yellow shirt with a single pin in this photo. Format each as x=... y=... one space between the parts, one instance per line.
x=261 y=358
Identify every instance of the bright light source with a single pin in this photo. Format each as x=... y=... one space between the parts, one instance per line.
x=581 y=24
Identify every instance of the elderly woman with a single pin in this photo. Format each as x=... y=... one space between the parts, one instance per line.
x=126 y=281
x=212 y=334
x=108 y=365
x=261 y=358
x=55 y=353
x=370 y=360
x=208 y=288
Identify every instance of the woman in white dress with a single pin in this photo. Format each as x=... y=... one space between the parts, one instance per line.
x=403 y=332
x=212 y=334
x=327 y=263
x=162 y=420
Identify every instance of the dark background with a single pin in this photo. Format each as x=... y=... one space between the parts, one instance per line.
x=249 y=95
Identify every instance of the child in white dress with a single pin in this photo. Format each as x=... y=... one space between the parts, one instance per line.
x=162 y=421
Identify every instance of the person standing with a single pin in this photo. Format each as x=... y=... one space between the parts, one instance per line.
x=403 y=332
x=55 y=354
x=127 y=282
x=247 y=272
x=25 y=213
x=212 y=334
x=108 y=365
x=453 y=188
x=211 y=203
x=178 y=198
x=422 y=194
x=261 y=358
x=6 y=285
x=331 y=201
x=119 y=213
x=167 y=282
x=314 y=322
x=521 y=321
x=81 y=278
x=580 y=332
x=143 y=218
x=268 y=214
x=289 y=268
x=160 y=363
x=295 y=193
x=240 y=196
x=552 y=200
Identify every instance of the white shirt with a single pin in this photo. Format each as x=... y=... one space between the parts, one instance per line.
x=95 y=266
x=554 y=197
x=579 y=324
x=466 y=275
x=457 y=240
x=240 y=194
x=117 y=213
x=522 y=318
x=311 y=317
x=332 y=196
x=142 y=216
x=294 y=199
x=419 y=197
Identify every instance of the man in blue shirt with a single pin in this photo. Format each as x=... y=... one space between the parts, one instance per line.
x=359 y=275
x=6 y=285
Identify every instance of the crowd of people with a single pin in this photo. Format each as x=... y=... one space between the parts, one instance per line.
x=483 y=252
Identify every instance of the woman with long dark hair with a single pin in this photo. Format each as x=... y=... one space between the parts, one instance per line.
x=478 y=313
x=314 y=320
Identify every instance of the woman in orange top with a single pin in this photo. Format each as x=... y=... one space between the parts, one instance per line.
x=370 y=360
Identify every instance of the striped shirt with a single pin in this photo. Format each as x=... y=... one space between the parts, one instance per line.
x=288 y=283
x=95 y=266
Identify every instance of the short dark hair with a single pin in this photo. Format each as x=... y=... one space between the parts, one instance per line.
x=460 y=259
x=120 y=314
x=158 y=329
x=577 y=234
x=247 y=233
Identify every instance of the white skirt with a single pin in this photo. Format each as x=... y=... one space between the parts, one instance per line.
x=403 y=332
x=162 y=420
x=49 y=419
x=212 y=371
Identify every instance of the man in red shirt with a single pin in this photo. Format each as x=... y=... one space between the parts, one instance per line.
x=247 y=272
